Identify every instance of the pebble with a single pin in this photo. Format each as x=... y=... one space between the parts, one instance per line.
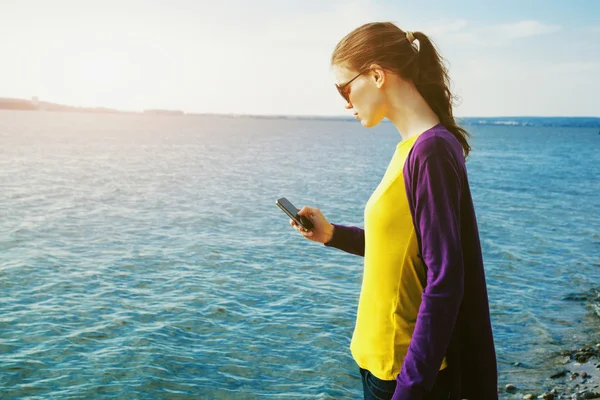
x=510 y=388
x=590 y=395
x=564 y=360
x=528 y=397
x=559 y=374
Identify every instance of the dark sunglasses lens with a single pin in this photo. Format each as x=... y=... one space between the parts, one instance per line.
x=342 y=93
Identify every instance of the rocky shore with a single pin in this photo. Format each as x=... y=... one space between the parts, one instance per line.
x=577 y=373
x=579 y=378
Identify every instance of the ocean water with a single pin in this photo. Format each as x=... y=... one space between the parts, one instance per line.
x=143 y=257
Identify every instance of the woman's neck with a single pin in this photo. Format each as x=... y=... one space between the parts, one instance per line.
x=409 y=112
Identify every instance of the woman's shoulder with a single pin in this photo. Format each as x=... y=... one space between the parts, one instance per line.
x=437 y=141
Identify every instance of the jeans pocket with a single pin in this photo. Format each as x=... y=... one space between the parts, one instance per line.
x=380 y=389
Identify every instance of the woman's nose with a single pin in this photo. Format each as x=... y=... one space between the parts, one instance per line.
x=348 y=105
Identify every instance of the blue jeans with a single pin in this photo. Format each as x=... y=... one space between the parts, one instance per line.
x=378 y=389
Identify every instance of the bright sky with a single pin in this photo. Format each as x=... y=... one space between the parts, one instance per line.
x=508 y=58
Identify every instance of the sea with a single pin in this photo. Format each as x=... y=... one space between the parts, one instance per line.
x=143 y=256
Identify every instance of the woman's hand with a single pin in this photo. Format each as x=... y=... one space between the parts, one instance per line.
x=322 y=230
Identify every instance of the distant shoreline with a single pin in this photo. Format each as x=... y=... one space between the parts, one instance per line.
x=44 y=106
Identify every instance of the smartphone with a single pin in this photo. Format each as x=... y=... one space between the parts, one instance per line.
x=292 y=212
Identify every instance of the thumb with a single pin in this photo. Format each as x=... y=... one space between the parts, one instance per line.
x=304 y=211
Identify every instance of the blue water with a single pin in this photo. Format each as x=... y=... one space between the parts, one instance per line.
x=144 y=256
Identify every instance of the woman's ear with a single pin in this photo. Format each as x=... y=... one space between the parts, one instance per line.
x=378 y=74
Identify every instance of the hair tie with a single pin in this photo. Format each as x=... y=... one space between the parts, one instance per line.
x=410 y=37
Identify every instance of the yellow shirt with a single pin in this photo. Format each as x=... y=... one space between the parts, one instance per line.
x=393 y=278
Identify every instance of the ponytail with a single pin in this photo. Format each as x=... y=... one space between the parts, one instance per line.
x=433 y=83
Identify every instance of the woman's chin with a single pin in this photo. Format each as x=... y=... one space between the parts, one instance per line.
x=365 y=122
x=368 y=122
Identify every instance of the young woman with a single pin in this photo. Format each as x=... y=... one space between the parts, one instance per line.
x=423 y=327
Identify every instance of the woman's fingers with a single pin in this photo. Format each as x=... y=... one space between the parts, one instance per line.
x=300 y=228
x=295 y=225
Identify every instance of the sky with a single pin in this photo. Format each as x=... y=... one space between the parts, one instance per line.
x=272 y=57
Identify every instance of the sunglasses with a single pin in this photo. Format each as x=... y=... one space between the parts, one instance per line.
x=342 y=88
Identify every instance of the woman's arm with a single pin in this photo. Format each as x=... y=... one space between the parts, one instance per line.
x=435 y=188
x=350 y=239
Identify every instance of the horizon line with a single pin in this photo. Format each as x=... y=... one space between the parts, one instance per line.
x=35 y=102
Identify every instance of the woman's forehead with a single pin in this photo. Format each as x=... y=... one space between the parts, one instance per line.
x=342 y=73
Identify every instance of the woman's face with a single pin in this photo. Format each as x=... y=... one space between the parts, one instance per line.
x=365 y=94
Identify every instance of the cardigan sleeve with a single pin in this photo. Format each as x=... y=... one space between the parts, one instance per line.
x=435 y=193
x=350 y=239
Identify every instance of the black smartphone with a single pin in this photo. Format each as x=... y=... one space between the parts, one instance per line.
x=292 y=212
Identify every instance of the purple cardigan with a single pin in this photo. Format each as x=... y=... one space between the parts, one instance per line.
x=454 y=317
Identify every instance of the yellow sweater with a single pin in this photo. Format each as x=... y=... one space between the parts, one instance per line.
x=394 y=275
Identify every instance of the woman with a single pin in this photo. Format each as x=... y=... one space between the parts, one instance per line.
x=423 y=327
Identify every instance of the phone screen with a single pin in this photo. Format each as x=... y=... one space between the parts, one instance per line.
x=292 y=212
